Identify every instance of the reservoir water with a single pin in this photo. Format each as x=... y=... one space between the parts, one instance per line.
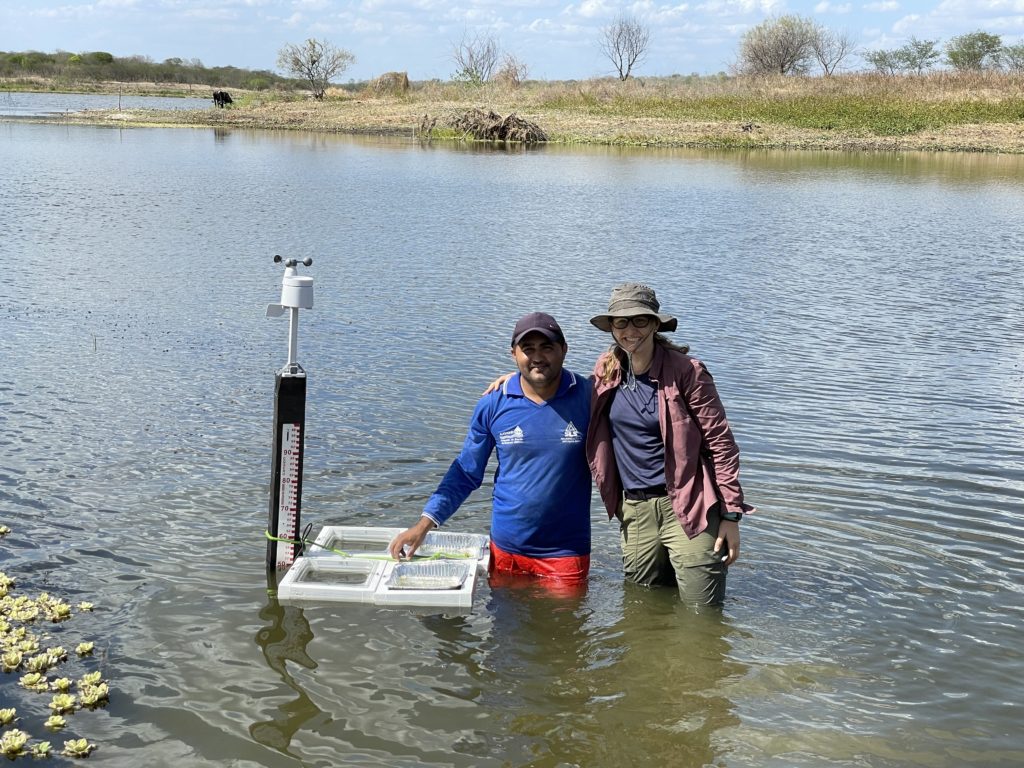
x=863 y=316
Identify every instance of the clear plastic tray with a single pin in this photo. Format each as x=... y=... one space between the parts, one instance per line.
x=352 y=540
x=360 y=541
x=340 y=578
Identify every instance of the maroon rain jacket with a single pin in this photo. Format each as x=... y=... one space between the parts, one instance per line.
x=702 y=461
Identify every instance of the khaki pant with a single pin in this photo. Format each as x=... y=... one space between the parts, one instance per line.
x=656 y=550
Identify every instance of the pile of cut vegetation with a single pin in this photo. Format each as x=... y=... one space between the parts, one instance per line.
x=487 y=125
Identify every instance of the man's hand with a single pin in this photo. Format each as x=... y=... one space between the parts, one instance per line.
x=496 y=384
x=727 y=545
x=405 y=544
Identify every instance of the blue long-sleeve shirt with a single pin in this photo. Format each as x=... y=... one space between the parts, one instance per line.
x=541 y=502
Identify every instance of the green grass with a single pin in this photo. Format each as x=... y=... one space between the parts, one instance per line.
x=885 y=112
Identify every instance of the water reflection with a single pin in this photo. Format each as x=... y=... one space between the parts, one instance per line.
x=284 y=639
x=860 y=314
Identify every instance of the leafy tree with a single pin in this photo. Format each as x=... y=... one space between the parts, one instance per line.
x=1012 y=57
x=476 y=57
x=886 y=62
x=918 y=55
x=974 y=51
x=316 y=62
x=625 y=43
x=783 y=46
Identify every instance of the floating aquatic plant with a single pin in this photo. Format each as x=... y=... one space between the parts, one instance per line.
x=13 y=743
x=20 y=649
x=84 y=649
x=34 y=681
x=41 y=662
x=11 y=660
x=63 y=702
x=61 y=684
x=94 y=695
x=42 y=749
x=78 y=748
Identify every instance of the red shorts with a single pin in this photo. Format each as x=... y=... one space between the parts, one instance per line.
x=569 y=569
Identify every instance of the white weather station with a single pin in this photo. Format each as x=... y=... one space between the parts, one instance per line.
x=346 y=563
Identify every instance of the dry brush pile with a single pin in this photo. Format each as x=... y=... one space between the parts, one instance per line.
x=488 y=125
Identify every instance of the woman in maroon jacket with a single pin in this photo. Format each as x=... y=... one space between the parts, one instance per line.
x=662 y=453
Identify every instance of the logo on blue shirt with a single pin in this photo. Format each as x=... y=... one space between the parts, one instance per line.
x=511 y=436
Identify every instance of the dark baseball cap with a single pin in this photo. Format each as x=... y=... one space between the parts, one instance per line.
x=541 y=323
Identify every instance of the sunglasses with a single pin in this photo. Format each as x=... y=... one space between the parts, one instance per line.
x=638 y=322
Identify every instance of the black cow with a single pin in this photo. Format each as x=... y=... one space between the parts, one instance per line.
x=222 y=98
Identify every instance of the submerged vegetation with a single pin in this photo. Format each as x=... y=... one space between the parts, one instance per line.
x=28 y=663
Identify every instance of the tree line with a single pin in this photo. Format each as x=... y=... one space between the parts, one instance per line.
x=100 y=66
x=794 y=45
x=784 y=45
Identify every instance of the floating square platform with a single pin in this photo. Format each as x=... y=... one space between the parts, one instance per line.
x=337 y=578
x=446 y=584
x=354 y=541
x=351 y=564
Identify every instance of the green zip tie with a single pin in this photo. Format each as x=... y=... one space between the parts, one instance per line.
x=342 y=553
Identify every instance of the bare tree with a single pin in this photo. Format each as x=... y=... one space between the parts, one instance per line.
x=315 y=61
x=830 y=48
x=625 y=42
x=512 y=71
x=476 y=57
x=783 y=46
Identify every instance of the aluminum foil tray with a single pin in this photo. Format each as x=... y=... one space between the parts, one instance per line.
x=433 y=576
x=442 y=542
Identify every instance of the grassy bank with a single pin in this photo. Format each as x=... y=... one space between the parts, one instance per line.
x=941 y=112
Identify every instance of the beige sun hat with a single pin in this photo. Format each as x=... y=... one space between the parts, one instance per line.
x=633 y=300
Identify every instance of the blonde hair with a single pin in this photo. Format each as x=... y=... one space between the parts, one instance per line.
x=612 y=360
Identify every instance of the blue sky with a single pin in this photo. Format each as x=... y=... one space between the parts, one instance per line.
x=556 y=39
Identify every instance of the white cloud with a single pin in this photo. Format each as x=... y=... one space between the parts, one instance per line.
x=721 y=8
x=882 y=7
x=591 y=9
x=908 y=23
x=649 y=11
x=826 y=7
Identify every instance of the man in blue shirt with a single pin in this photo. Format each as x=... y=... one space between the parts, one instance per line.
x=537 y=421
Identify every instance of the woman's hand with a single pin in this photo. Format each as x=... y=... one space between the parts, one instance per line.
x=496 y=384
x=727 y=545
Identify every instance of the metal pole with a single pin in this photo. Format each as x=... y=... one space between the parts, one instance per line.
x=284 y=515
x=293 y=336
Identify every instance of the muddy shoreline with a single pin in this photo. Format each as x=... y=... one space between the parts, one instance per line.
x=364 y=115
